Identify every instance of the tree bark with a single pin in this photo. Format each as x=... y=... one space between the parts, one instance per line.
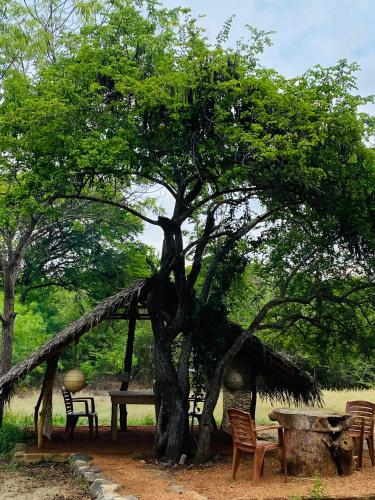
x=314 y=442
x=184 y=382
x=167 y=384
x=9 y=277
x=343 y=452
x=205 y=427
x=10 y=265
x=212 y=396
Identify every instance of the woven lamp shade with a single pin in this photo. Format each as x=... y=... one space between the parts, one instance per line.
x=74 y=380
x=233 y=380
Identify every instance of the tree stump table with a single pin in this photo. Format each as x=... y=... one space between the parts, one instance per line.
x=316 y=441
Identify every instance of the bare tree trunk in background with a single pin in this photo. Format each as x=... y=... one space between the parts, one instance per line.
x=11 y=255
x=7 y=320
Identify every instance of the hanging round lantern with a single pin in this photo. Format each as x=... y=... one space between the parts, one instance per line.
x=74 y=380
x=233 y=380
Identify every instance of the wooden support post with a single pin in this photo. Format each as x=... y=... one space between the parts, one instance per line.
x=253 y=402
x=127 y=366
x=45 y=397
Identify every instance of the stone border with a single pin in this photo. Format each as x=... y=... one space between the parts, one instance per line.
x=101 y=487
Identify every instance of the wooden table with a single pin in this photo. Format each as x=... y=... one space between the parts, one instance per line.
x=311 y=435
x=128 y=397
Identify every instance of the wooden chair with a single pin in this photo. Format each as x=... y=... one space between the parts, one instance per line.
x=363 y=427
x=244 y=435
x=73 y=416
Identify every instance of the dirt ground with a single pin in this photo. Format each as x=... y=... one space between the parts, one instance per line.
x=47 y=482
x=129 y=462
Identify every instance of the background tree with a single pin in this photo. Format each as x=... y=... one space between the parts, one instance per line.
x=89 y=248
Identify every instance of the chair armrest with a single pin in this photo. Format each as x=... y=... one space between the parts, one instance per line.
x=81 y=400
x=86 y=399
x=267 y=427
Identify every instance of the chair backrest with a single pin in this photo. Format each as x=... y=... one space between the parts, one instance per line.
x=67 y=400
x=243 y=432
x=366 y=411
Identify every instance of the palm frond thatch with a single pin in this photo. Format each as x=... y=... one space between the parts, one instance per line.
x=279 y=378
x=70 y=335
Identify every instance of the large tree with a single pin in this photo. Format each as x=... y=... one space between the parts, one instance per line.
x=141 y=100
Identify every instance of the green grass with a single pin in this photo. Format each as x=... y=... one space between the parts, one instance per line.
x=23 y=405
x=15 y=429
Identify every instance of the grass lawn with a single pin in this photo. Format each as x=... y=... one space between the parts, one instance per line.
x=22 y=406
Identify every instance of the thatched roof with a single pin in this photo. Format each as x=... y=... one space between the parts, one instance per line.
x=282 y=379
x=71 y=334
x=278 y=377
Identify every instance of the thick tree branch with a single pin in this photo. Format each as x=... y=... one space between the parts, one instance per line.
x=94 y=199
x=194 y=192
x=160 y=182
x=201 y=245
x=294 y=272
x=24 y=242
x=45 y=285
x=275 y=302
x=214 y=196
x=225 y=246
x=287 y=321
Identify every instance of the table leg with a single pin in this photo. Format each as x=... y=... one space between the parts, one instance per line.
x=123 y=417
x=114 y=422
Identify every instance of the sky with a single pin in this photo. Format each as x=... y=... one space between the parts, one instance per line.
x=308 y=32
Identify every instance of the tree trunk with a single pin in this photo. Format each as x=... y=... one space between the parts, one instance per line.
x=7 y=326
x=343 y=452
x=167 y=385
x=184 y=383
x=313 y=441
x=212 y=395
x=205 y=427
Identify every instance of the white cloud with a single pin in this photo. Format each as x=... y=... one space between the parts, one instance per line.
x=308 y=32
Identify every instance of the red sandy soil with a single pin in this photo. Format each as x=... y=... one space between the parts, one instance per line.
x=129 y=462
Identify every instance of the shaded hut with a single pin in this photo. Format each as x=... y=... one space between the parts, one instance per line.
x=263 y=371
x=268 y=374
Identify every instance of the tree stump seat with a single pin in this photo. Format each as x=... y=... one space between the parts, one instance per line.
x=316 y=440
